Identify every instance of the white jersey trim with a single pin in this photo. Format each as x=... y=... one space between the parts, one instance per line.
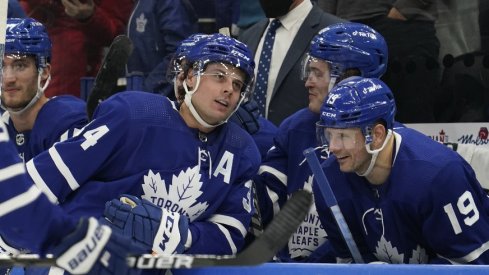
x=230 y=221
x=19 y=201
x=12 y=171
x=471 y=256
x=39 y=182
x=274 y=199
x=226 y=233
x=63 y=169
x=279 y=175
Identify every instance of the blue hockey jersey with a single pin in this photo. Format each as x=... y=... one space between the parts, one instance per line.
x=431 y=209
x=58 y=119
x=284 y=171
x=139 y=144
x=20 y=198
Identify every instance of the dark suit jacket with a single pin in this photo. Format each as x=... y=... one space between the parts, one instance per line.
x=290 y=94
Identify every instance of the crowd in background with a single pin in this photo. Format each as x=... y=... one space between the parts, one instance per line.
x=437 y=57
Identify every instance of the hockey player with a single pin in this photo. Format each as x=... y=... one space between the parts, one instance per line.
x=53 y=231
x=247 y=116
x=406 y=198
x=34 y=121
x=338 y=51
x=186 y=160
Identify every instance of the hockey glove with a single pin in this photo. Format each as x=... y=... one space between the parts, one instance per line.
x=247 y=117
x=94 y=249
x=163 y=231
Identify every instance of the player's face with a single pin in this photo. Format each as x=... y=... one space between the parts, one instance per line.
x=317 y=83
x=19 y=83
x=219 y=92
x=348 y=145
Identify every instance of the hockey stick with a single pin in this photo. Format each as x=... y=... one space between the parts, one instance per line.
x=113 y=66
x=3 y=33
x=262 y=250
x=328 y=195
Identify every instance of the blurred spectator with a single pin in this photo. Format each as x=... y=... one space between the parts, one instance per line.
x=457 y=27
x=156 y=28
x=408 y=26
x=484 y=24
x=250 y=12
x=79 y=32
x=216 y=14
x=14 y=9
x=300 y=21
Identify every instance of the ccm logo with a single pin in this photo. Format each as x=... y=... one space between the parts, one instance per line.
x=168 y=228
x=326 y=114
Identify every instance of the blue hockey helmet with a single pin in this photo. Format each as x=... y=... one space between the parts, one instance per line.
x=358 y=102
x=187 y=44
x=26 y=36
x=221 y=48
x=181 y=53
x=351 y=46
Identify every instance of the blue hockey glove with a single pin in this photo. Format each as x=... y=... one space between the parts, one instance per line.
x=247 y=117
x=165 y=232
x=94 y=249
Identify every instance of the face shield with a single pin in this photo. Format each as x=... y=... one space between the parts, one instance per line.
x=347 y=139
x=220 y=73
x=313 y=69
x=20 y=63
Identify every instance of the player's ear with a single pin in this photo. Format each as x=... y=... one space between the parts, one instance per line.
x=46 y=72
x=190 y=79
x=379 y=134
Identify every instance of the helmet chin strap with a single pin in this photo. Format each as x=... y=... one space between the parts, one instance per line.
x=193 y=111
x=332 y=82
x=375 y=154
x=39 y=93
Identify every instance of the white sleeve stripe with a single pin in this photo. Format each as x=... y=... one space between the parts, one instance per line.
x=471 y=256
x=279 y=175
x=39 y=182
x=274 y=199
x=224 y=231
x=19 y=201
x=12 y=171
x=230 y=221
x=63 y=169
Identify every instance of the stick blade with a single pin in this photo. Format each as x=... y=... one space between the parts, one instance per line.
x=277 y=233
x=113 y=67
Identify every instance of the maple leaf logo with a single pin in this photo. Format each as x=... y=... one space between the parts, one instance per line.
x=310 y=233
x=387 y=253
x=183 y=192
x=419 y=256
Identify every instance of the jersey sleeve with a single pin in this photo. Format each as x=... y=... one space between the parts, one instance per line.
x=66 y=165
x=457 y=220
x=224 y=232
x=21 y=225
x=271 y=180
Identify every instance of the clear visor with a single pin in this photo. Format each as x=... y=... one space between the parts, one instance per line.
x=339 y=138
x=316 y=69
x=19 y=64
x=223 y=73
x=174 y=68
